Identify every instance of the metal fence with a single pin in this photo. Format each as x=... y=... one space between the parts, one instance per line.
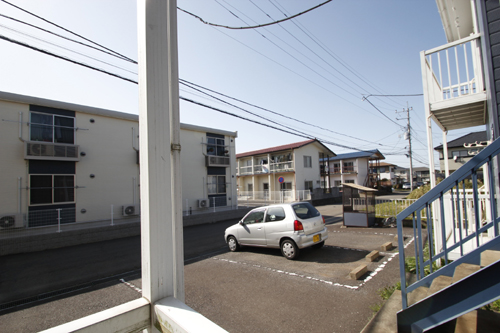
x=45 y=221
x=270 y=197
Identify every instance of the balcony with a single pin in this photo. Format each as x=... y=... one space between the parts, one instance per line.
x=217 y=161
x=265 y=168
x=35 y=150
x=453 y=82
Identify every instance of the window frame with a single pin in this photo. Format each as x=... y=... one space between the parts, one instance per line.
x=53 y=126
x=219 y=186
x=307 y=161
x=53 y=189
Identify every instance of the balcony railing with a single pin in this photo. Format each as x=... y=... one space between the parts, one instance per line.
x=266 y=168
x=35 y=150
x=454 y=70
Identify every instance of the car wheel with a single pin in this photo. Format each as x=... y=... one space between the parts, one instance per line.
x=319 y=245
x=289 y=249
x=233 y=244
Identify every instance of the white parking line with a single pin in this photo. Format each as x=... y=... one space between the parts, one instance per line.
x=335 y=284
x=128 y=284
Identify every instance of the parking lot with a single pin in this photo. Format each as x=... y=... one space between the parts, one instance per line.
x=258 y=289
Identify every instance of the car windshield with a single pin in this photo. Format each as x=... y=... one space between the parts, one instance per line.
x=305 y=210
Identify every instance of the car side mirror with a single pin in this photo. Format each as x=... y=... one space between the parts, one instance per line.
x=241 y=222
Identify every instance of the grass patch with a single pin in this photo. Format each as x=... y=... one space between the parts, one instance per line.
x=386 y=292
x=495 y=306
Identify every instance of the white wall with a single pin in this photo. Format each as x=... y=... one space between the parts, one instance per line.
x=12 y=163
x=108 y=143
x=111 y=158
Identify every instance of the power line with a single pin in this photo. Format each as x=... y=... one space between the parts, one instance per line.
x=366 y=99
x=324 y=47
x=64 y=58
x=255 y=26
x=185 y=82
x=297 y=133
x=67 y=30
x=65 y=48
x=69 y=39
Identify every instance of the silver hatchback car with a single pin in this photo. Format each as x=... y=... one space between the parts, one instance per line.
x=288 y=227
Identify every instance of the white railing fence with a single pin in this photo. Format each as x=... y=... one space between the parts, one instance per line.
x=45 y=221
x=249 y=197
x=454 y=69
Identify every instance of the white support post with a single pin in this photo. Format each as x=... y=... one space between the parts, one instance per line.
x=112 y=221
x=58 y=220
x=161 y=206
x=445 y=154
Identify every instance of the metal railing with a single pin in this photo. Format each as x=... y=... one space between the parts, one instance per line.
x=45 y=221
x=269 y=197
x=454 y=70
x=442 y=227
x=265 y=168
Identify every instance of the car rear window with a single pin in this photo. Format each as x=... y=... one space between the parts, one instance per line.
x=275 y=214
x=305 y=210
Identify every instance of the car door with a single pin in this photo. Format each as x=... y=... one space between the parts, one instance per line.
x=252 y=231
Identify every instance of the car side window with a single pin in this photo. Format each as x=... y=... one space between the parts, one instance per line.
x=275 y=214
x=254 y=217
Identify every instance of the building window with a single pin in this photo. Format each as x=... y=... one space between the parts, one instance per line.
x=250 y=187
x=216 y=185
x=307 y=162
x=52 y=189
x=349 y=181
x=216 y=145
x=285 y=186
x=338 y=183
x=52 y=128
x=308 y=185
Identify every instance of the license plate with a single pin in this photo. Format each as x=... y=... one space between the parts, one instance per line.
x=316 y=238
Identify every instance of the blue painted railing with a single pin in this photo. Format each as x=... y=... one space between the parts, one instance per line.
x=433 y=205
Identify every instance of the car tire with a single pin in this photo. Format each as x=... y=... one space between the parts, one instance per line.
x=232 y=243
x=319 y=245
x=289 y=249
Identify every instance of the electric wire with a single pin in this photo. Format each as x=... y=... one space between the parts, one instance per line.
x=313 y=52
x=255 y=26
x=69 y=31
x=69 y=39
x=65 y=58
x=185 y=82
x=291 y=55
x=65 y=48
x=325 y=48
x=296 y=133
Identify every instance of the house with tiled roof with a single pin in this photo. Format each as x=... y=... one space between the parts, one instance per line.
x=461 y=150
x=281 y=173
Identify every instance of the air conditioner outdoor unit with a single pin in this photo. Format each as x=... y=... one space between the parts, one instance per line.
x=11 y=221
x=130 y=210
x=203 y=203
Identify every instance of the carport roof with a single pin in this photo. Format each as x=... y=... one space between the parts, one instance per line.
x=372 y=154
x=359 y=187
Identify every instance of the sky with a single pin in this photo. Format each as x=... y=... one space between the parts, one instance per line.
x=306 y=76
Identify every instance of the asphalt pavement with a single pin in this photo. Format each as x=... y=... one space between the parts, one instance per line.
x=247 y=291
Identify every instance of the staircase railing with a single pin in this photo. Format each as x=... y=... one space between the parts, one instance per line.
x=434 y=260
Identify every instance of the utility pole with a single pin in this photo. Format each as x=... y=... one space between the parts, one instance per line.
x=408 y=136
